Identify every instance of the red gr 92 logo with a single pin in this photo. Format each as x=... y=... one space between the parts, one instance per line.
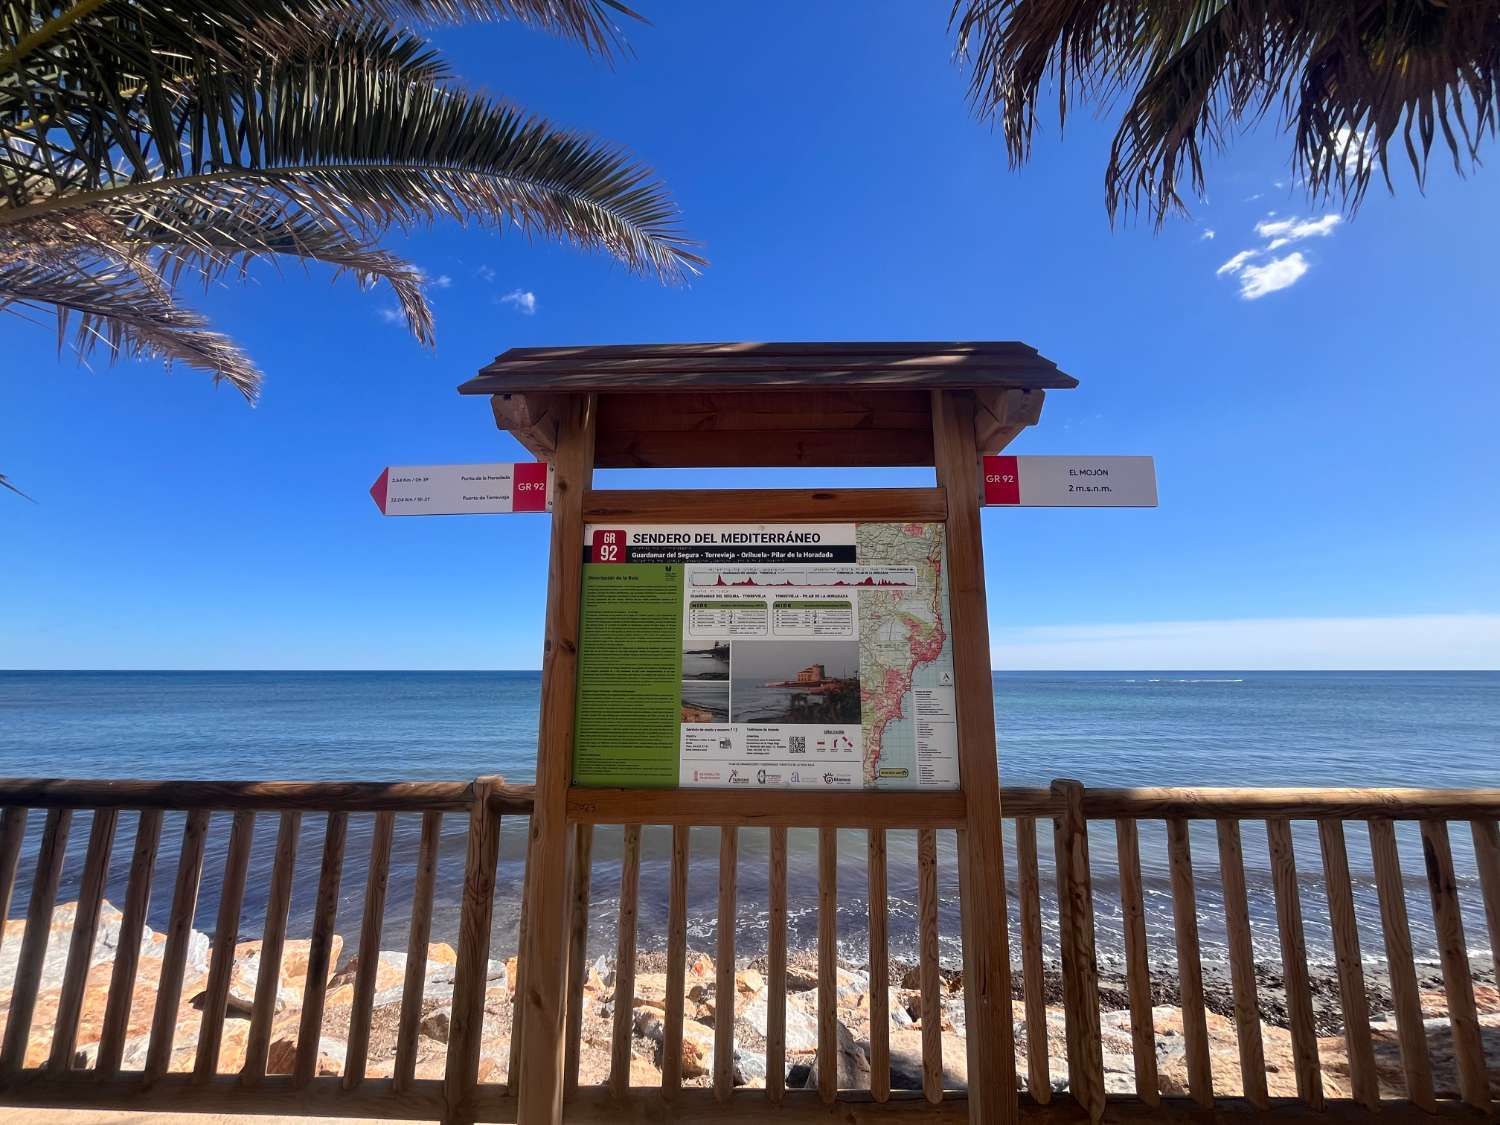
x=608 y=546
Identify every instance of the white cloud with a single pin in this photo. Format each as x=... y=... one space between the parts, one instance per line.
x=392 y=315
x=441 y=281
x=485 y=273
x=1294 y=230
x=1208 y=235
x=1278 y=273
x=523 y=299
x=1236 y=263
x=1352 y=146
x=1430 y=641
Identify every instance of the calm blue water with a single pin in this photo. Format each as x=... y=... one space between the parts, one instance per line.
x=1106 y=728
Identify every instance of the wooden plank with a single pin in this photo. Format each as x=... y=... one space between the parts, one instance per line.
x=260 y=796
x=471 y=971
x=128 y=955
x=880 y=972
x=1137 y=963
x=357 y=1052
x=1362 y=1077
x=1080 y=962
x=1067 y=930
x=1242 y=963
x=412 y=986
x=12 y=833
x=1405 y=998
x=545 y=950
x=809 y=448
x=29 y=962
x=1294 y=962
x=226 y=933
x=794 y=808
x=174 y=955
x=828 y=963
x=928 y=981
x=578 y=949
x=81 y=946
x=981 y=847
x=630 y=880
x=273 y=942
x=517 y=1023
x=1458 y=986
x=1189 y=963
x=1288 y=804
x=671 y=1051
x=1487 y=859
x=724 y=966
x=776 y=971
x=866 y=409
x=750 y=505
x=320 y=948
x=1033 y=984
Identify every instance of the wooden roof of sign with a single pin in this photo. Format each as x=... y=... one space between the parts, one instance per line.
x=754 y=404
x=754 y=366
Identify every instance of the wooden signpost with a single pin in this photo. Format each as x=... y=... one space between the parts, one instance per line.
x=654 y=595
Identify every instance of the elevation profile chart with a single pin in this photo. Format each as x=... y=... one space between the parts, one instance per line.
x=766 y=656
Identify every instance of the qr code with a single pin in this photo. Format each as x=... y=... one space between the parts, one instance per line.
x=797 y=743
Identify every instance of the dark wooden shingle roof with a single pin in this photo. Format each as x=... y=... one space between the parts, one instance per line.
x=769 y=366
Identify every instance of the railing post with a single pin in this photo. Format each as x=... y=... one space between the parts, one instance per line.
x=1075 y=900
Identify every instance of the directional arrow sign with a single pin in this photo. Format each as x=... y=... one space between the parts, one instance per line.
x=1070 y=482
x=462 y=490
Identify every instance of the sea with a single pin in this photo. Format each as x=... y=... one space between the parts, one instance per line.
x=1101 y=728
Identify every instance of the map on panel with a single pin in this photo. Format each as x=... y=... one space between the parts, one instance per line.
x=761 y=656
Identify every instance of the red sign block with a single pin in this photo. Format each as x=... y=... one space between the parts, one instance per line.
x=607 y=546
x=529 y=488
x=1002 y=481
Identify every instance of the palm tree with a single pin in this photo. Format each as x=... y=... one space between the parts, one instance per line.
x=143 y=142
x=1349 y=79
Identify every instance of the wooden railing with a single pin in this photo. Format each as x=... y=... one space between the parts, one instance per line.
x=40 y=1065
x=138 y=1061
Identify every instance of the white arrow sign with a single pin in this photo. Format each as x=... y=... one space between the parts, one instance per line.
x=462 y=490
x=1070 y=482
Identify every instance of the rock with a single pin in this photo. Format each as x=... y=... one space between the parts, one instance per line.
x=291 y=983
x=749 y=1068
x=700 y=967
x=853 y=1064
x=801 y=1020
x=697 y=1039
x=906 y=1061
x=749 y=981
x=436 y=1024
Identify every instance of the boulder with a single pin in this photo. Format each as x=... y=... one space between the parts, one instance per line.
x=853 y=1064
x=906 y=1061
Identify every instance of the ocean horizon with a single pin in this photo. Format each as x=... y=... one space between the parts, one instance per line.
x=1104 y=728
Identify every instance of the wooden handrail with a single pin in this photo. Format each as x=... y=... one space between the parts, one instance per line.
x=1292 y=804
x=277 y=796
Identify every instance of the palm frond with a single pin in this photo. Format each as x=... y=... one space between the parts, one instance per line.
x=1352 y=79
x=112 y=305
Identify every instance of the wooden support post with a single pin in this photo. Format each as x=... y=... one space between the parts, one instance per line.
x=81 y=948
x=1405 y=997
x=1363 y=1079
x=12 y=832
x=128 y=954
x=1189 y=963
x=320 y=949
x=981 y=849
x=179 y=933
x=776 y=977
x=928 y=979
x=1294 y=962
x=226 y=933
x=1137 y=963
x=880 y=976
x=416 y=952
x=578 y=949
x=356 y=1052
x=29 y=964
x=1458 y=985
x=630 y=882
x=671 y=1050
x=729 y=839
x=545 y=951
x=1242 y=963
x=273 y=941
x=461 y=1074
x=1080 y=964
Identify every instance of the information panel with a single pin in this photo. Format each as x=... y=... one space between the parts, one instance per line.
x=766 y=656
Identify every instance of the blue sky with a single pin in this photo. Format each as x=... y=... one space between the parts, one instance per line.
x=1325 y=451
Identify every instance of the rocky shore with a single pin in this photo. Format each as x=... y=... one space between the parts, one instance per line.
x=648 y=1016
